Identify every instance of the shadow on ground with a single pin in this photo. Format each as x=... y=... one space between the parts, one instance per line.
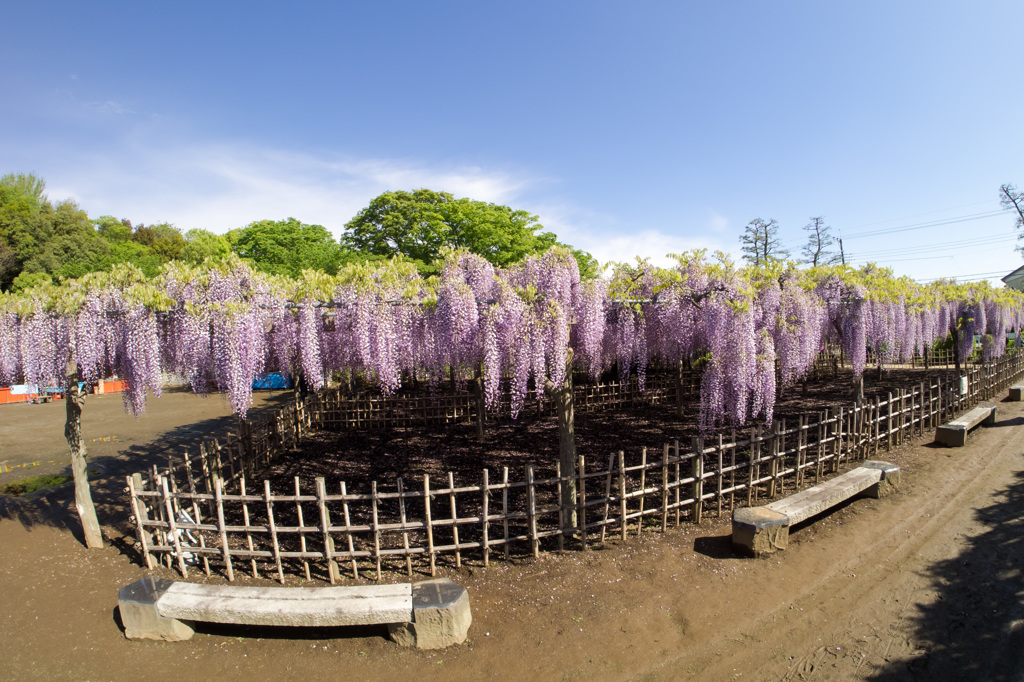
x=975 y=628
x=56 y=507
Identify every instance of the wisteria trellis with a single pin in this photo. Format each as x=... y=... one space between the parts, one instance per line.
x=221 y=325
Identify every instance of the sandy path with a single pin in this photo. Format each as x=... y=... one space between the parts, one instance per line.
x=920 y=585
x=924 y=586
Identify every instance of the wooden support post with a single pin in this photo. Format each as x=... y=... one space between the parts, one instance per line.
x=732 y=469
x=348 y=531
x=302 y=535
x=405 y=533
x=245 y=520
x=643 y=488
x=607 y=496
x=455 y=519
x=375 y=527
x=333 y=573
x=484 y=519
x=218 y=495
x=664 y=487
x=719 y=477
x=430 y=526
x=622 y=494
x=878 y=423
x=141 y=516
x=273 y=529
x=504 y=507
x=678 y=460
x=172 y=526
x=531 y=511
x=755 y=457
x=697 y=472
x=581 y=501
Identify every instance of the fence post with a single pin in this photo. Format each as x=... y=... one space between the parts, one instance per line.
x=531 y=511
x=218 y=494
x=622 y=494
x=697 y=472
x=581 y=501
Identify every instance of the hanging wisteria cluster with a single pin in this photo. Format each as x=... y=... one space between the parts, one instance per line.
x=516 y=329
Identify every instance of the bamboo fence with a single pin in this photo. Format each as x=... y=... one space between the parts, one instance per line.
x=208 y=512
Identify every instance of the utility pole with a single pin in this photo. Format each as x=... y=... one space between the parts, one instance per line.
x=841 y=253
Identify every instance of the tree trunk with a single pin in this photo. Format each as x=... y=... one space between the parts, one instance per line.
x=858 y=389
x=566 y=443
x=956 y=349
x=74 y=399
x=478 y=389
x=679 y=391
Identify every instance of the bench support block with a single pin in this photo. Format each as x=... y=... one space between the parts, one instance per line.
x=954 y=434
x=440 y=616
x=758 y=531
x=890 y=482
x=137 y=604
x=1017 y=393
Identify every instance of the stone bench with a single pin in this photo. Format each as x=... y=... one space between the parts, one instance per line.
x=954 y=433
x=759 y=531
x=1017 y=393
x=431 y=614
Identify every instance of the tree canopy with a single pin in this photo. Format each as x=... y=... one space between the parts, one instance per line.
x=420 y=225
x=818 y=249
x=287 y=247
x=761 y=243
x=59 y=240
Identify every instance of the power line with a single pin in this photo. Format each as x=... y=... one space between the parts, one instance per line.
x=918 y=215
x=923 y=226
x=959 y=244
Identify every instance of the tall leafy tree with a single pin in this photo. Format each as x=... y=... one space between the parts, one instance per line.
x=26 y=223
x=287 y=247
x=202 y=244
x=818 y=249
x=761 y=243
x=421 y=224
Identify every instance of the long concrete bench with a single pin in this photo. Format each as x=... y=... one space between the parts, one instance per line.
x=431 y=614
x=1017 y=393
x=954 y=433
x=759 y=531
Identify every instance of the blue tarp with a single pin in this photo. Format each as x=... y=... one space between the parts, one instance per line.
x=272 y=381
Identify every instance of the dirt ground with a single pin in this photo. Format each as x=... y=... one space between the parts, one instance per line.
x=925 y=584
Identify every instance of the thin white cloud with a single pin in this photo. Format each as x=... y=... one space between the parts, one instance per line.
x=609 y=241
x=224 y=186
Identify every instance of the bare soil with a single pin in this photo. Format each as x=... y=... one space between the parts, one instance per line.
x=924 y=584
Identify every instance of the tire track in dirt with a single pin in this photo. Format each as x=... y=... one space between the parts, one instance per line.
x=854 y=618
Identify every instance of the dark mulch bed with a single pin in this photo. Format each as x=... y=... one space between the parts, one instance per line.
x=383 y=455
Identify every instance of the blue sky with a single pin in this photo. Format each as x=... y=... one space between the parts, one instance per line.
x=638 y=128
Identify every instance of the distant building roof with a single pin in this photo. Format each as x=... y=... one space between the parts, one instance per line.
x=1015 y=280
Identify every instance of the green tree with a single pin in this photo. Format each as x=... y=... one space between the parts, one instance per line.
x=113 y=229
x=139 y=255
x=287 y=247
x=163 y=238
x=27 y=280
x=202 y=244
x=761 y=244
x=818 y=249
x=419 y=224
x=26 y=223
x=71 y=256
